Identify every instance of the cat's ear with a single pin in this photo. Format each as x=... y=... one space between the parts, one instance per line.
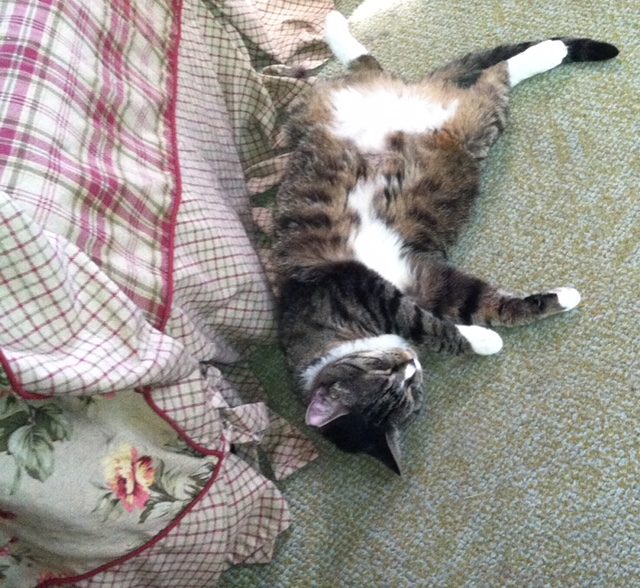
x=388 y=450
x=323 y=409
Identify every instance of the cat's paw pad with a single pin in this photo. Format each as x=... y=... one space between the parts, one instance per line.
x=568 y=298
x=483 y=341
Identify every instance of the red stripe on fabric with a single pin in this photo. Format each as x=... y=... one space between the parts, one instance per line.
x=159 y=537
x=15 y=59
x=170 y=234
x=165 y=311
x=172 y=120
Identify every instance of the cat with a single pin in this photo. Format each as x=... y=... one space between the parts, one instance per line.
x=381 y=180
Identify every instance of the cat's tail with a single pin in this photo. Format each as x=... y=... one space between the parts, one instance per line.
x=527 y=59
x=347 y=49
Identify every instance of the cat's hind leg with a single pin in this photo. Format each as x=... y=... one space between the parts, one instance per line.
x=346 y=48
x=483 y=81
x=450 y=293
x=482 y=112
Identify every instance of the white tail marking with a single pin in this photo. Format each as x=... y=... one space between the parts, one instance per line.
x=342 y=43
x=536 y=59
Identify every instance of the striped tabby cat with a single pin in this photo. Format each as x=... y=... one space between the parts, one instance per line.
x=381 y=182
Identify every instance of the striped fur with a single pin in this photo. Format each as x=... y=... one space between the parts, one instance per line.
x=372 y=201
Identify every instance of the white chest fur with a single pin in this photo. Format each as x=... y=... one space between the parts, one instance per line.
x=375 y=244
x=368 y=115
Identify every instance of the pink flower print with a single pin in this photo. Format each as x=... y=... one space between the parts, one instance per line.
x=130 y=477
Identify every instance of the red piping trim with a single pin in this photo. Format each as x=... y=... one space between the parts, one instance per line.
x=16 y=386
x=159 y=537
x=166 y=310
x=146 y=392
x=175 y=164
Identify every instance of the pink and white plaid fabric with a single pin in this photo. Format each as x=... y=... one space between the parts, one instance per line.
x=128 y=130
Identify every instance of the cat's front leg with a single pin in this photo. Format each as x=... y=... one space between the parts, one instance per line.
x=444 y=335
x=450 y=293
x=441 y=334
x=509 y=310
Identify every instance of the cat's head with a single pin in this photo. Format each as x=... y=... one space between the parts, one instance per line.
x=362 y=399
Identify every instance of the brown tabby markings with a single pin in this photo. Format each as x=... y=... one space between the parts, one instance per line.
x=438 y=174
x=345 y=328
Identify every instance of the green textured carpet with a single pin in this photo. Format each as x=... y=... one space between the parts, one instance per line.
x=525 y=469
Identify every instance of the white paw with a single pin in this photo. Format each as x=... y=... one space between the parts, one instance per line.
x=335 y=24
x=568 y=298
x=483 y=341
x=341 y=42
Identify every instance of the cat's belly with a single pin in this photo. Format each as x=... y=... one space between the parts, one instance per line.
x=372 y=241
x=367 y=115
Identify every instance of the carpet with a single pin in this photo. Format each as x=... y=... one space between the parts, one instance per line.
x=524 y=469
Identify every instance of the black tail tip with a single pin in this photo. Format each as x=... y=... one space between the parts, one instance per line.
x=590 y=50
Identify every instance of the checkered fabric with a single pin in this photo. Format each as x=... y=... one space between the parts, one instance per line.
x=131 y=133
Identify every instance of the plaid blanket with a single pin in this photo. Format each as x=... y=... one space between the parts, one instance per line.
x=131 y=288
